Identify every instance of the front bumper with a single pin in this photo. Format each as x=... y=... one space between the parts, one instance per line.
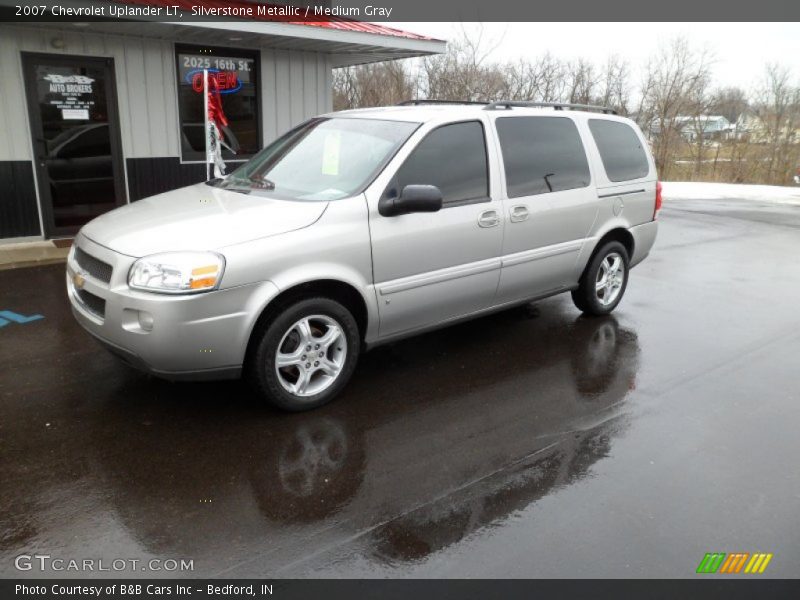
x=199 y=336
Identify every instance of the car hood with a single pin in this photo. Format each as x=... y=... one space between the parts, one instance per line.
x=198 y=217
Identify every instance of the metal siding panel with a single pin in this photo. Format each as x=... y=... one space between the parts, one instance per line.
x=35 y=40
x=153 y=83
x=282 y=95
x=154 y=175
x=170 y=99
x=19 y=212
x=269 y=109
x=115 y=49
x=95 y=45
x=74 y=43
x=138 y=129
x=309 y=90
x=14 y=127
x=320 y=82
x=328 y=89
x=295 y=88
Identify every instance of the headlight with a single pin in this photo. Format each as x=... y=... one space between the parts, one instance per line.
x=177 y=272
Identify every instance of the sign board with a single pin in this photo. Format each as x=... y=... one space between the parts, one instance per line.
x=72 y=94
x=230 y=73
x=79 y=114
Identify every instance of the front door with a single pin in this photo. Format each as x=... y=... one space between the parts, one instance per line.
x=74 y=124
x=434 y=267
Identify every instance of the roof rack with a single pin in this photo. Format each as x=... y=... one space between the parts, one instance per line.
x=507 y=104
x=421 y=101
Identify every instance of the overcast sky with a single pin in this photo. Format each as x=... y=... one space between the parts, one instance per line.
x=740 y=49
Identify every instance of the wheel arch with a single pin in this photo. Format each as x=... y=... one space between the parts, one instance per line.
x=341 y=291
x=618 y=233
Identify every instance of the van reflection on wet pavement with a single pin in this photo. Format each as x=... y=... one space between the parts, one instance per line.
x=352 y=465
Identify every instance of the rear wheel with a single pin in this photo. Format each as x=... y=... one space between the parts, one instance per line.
x=305 y=355
x=603 y=283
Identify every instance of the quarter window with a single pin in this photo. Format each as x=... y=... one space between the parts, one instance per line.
x=453 y=158
x=542 y=155
x=620 y=149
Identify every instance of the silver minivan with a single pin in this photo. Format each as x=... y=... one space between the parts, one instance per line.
x=361 y=227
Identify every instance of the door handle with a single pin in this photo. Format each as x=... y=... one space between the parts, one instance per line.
x=489 y=218
x=519 y=213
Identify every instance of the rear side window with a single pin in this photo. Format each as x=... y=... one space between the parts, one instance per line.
x=620 y=149
x=541 y=155
x=453 y=158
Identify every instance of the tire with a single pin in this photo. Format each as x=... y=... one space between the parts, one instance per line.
x=596 y=344
x=589 y=297
x=308 y=378
x=308 y=471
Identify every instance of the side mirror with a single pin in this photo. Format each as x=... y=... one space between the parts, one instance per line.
x=413 y=199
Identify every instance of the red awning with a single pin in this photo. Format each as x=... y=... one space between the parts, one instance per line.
x=328 y=22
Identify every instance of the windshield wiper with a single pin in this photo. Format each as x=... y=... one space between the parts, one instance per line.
x=547 y=181
x=261 y=183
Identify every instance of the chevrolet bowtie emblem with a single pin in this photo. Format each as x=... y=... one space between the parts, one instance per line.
x=78 y=280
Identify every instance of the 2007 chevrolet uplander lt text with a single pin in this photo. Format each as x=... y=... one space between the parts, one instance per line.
x=364 y=226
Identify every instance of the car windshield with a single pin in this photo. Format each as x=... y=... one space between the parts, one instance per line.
x=322 y=159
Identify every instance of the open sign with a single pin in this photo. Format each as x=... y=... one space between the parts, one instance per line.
x=228 y=82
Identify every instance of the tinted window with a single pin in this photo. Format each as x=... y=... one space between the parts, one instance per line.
x=541 y=155
x=453 y=158
x=323 y=159
x=88 y=141
x=234 y=75
x=621 y=150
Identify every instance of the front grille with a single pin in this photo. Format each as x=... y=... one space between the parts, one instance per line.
x=93 y=266
x=94 y=304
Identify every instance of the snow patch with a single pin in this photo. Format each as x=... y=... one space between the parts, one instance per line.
x=692 y=190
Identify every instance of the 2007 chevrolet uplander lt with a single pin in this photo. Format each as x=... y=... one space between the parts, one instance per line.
x=364 y=226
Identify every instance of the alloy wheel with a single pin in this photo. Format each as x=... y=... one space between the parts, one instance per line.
x=610 y=278
x=311 y=355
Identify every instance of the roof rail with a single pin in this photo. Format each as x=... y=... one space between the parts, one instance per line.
x=420 y=101
x=507 y=104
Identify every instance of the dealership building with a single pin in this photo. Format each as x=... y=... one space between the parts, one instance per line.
x=101 y=113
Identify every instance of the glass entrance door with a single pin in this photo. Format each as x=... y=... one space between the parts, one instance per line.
x=72 y=107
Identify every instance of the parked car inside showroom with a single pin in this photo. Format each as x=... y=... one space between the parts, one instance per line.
x=361 y=227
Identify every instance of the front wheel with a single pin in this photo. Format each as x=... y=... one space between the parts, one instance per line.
x=603 y=283
x=305 y=355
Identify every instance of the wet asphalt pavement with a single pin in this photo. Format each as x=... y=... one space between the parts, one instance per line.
x=529 y=443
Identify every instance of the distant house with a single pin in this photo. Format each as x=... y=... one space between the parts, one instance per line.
x=753 y=127
x=707 y=127
x=749 y=126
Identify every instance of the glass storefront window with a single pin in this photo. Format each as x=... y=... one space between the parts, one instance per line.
x=236 y=76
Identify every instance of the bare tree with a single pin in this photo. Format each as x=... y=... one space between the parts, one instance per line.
x=581 y=82
x=615 y=85
x=777 y=111
x=463 y=72
x=377 y=84
x=729 y=102
x=675 y=82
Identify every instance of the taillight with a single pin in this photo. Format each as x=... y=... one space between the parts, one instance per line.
x=658 y=200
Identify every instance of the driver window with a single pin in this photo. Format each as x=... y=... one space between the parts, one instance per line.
x=453 y=158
